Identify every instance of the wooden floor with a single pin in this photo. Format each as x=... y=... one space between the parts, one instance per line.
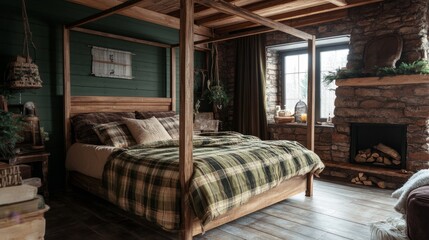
x=336 y=211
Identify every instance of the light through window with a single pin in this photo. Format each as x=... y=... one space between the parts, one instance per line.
x=295 y=78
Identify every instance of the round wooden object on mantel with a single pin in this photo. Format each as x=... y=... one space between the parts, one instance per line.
x=382 y=51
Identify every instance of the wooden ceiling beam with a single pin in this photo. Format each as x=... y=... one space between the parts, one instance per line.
x=231 y=9
x=119 y=37
x=199 y=10
x=325 y=8
x=251 y=7
x=105 y=13
x=306 y=21
x=144 y=15
x=340 y=3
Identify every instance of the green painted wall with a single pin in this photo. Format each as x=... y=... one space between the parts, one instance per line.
x=150 y=64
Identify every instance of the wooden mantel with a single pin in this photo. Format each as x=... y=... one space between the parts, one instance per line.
x=384 y=81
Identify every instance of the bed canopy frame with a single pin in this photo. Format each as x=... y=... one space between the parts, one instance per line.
x=80 y=104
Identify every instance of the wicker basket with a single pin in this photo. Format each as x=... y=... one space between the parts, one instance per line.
x=284 y=119
x=23 y=73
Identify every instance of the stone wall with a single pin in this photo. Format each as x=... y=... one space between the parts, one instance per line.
x=400 y=104
x=298 y=132
x=407 y=18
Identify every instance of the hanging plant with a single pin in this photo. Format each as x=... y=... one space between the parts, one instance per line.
x=218 y=96
x=23 y=72
x=216 y=93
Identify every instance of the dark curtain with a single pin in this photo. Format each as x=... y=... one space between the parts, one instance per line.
x=249 y=98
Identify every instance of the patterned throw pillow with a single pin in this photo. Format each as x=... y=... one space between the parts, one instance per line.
x=115 y=134
x=83 y=124
x=147 y=130
x=171 y=125
x=146 y=115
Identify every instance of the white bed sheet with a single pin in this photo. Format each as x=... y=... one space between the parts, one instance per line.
x=88 y=159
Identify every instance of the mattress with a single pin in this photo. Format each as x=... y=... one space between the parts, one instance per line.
x=88 y=159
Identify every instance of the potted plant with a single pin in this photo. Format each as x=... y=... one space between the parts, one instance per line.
x=218 y=96
x=216 y=93
x=10 y=128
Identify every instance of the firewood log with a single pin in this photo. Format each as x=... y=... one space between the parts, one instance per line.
x=380 y=183
x=396 y=162
x=360 y=158
x=375 y=155
x=387 y=161
x=367 y=183
x=388 y=151
x=379 y=159
x=370 y=159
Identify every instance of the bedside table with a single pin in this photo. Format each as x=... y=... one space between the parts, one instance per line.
x=31 y=158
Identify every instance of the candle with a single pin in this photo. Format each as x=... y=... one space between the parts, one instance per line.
x=304 y=117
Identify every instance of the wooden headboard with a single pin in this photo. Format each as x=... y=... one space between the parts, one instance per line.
x=87 y=104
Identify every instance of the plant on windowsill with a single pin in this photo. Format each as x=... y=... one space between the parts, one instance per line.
x=10 y=128
x=417 y=67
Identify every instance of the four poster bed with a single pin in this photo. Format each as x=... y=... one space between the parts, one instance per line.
x=283 y=155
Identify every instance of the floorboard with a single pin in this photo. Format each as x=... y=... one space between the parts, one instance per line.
x=337 y=211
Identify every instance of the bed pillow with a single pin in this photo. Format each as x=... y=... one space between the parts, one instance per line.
x=147 y=130
x=146 y=115
x=83 y=124
x=171 y=125
x=114 y=134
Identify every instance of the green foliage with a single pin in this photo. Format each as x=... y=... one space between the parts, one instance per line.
x=343 y=74
x=217 y=95
x=10 y=127
x=417 y=67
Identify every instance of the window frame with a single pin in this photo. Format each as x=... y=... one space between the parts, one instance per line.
x=297 y=51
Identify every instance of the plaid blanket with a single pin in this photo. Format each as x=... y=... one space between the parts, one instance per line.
x=229 y=168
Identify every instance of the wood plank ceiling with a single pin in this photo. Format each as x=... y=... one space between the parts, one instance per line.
x=210 y=23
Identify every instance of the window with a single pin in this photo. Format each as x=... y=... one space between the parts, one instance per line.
x=295 y=77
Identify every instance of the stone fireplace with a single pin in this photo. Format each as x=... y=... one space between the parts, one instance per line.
x=378 y=145
x=397 y=101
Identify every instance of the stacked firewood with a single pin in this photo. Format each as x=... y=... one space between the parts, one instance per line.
x=379 y=155
x=363 y=179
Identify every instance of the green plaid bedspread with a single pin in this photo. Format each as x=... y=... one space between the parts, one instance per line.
x=229 y=168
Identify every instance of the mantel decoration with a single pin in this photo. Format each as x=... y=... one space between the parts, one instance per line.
x=23 y=72
x=416 y=67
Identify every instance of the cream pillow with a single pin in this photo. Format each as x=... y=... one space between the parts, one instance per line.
x=146 y=130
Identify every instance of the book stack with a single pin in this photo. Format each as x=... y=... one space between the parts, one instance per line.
x=17 y=198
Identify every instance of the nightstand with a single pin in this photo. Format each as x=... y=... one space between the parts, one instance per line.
x=34 y=158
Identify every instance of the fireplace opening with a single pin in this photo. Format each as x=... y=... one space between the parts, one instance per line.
x=382 y=145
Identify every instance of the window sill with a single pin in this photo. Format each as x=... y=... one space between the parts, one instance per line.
x=297 y=125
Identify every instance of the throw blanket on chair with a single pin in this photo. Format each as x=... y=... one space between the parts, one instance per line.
x=419 y=179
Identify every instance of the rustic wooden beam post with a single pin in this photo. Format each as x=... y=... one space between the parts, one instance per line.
x=311 y=103
x=186 y=111
x=66 y=86
x=105 y=13
x=340 y=3
x=173 y=78
x=229 y=8
x=311 y=92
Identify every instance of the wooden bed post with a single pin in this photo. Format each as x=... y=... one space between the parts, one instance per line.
x=311 y=103
x=66 y=86
x=186 y=111
x=173 y=78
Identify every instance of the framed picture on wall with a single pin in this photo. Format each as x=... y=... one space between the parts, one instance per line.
x=111 y=63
